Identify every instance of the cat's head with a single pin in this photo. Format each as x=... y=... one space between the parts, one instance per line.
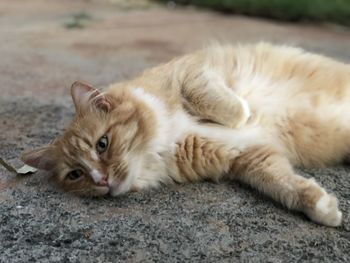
x=100 y=150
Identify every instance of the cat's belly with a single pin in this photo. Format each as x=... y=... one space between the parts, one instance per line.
x=311 y=127
x=315 y=137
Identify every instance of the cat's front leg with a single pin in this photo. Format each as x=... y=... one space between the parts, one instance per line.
x=206 y=96
x=199 y=158
x=271 y=173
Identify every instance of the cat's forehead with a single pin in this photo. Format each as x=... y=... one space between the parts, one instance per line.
x=76 y=140
x=70 y=149
x=81 y=135
x=83 y=142
x=85 y=127
x=88 y=122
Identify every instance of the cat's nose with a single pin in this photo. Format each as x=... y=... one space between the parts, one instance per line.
x=99 y=178
x=103 y=181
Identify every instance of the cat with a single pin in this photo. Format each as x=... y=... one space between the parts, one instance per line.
x=246 y=112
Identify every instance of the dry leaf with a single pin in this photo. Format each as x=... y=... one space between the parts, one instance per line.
x=25 y=169
x=8 y=166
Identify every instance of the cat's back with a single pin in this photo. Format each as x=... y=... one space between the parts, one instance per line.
x=270 y=76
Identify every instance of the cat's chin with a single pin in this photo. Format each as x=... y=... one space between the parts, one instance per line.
x=115 y=187
x=118 y=188
x=100 y=190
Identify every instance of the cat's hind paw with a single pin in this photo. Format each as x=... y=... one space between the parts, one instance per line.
x=326 y=211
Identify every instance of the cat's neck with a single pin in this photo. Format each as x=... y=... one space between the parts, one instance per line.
x=170 y=124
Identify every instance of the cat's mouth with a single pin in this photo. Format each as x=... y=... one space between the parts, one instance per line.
x=102 y=183
x=100 y=188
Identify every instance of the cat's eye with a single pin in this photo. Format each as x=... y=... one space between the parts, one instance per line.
x=75 y=174
x=102 y=144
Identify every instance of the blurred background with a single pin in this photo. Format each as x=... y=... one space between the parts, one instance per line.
x=335 y=11
x=47 y=44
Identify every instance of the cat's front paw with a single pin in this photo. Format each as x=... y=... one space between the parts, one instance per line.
x=242 y=115
x=326 y=211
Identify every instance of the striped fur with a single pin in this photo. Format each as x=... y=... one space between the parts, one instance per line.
x=248 y=113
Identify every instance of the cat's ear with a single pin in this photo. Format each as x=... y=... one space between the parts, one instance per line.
x=84 y=95
x=40 y=158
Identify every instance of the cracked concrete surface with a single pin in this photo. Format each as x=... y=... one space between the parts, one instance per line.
x=41 y=57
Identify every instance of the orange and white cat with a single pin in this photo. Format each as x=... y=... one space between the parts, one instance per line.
x=248 y=113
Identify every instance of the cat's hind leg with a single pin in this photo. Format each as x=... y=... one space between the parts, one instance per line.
x=271 y=173
x=260 y=167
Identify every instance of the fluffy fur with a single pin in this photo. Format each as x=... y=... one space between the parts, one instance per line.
x=248 y=113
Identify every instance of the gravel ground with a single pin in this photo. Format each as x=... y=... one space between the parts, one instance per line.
x=204 y=222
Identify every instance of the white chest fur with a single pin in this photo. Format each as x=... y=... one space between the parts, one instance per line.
x=171 y=127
